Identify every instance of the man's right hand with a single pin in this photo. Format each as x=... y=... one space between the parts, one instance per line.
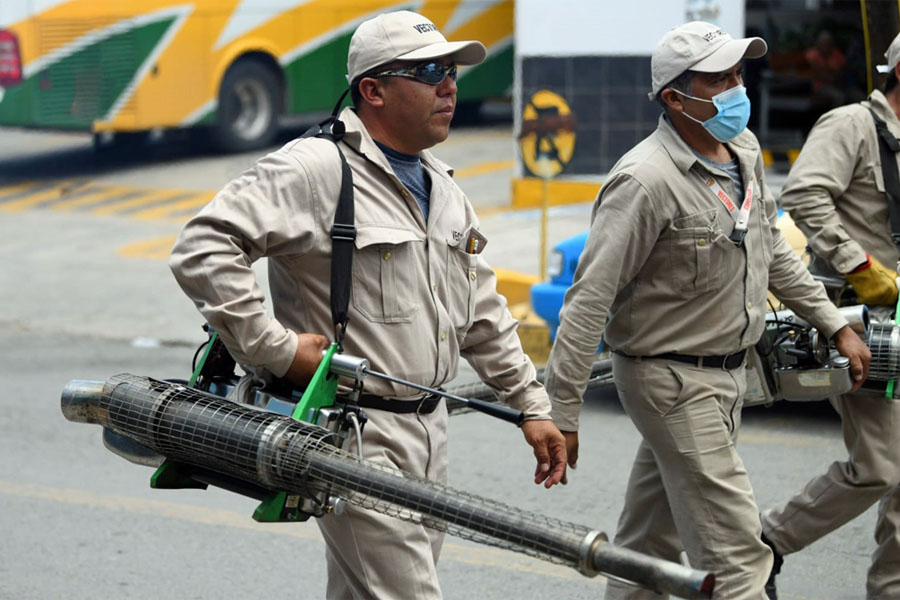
x=848 y=344
x=571 y=447
x=307 y=358
x=874 y=284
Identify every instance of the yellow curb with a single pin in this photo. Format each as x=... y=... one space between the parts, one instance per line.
x=770 y=157
x=515 y=286
x=528 y=191
x=533 y=333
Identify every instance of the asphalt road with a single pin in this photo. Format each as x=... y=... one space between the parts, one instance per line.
x=85 y=294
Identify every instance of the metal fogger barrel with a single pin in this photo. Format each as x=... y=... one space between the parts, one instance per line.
x=282 y=454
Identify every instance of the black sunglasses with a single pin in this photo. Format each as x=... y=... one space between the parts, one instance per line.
x=431 y=73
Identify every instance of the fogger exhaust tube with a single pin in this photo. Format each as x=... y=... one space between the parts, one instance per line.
x=282 y=454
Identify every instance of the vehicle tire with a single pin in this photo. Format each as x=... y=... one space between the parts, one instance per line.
x=249 y=107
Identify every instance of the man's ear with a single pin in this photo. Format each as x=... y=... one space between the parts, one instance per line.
x=673 y=99
x=371 y=92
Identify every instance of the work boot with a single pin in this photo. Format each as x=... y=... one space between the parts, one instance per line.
x=771 y=592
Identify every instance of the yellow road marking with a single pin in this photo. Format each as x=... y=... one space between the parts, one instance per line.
x=485 y=168
x=783 y=440
x=150 y=197
x=55 y=192
x=493 y=557
x=470 y=136
x=165 y=210
x=181 y=220
x=9 y=190
x=158 y=248
x=96 y=196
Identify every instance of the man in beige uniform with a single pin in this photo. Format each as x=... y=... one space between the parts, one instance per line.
x=836 y=195
x=420 y=297
x=675 y=283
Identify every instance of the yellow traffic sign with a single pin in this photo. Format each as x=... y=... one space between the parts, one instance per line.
x=547 y=136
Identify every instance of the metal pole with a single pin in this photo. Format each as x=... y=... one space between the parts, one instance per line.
x=544 y=201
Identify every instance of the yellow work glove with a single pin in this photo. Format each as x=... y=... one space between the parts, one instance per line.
x=874 y=283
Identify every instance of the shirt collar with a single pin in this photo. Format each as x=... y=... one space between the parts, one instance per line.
x=682 y=154
x=358 y=138
x=884 y=112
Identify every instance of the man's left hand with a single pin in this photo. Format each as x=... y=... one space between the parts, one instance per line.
x=549 y=450
x=849 y=345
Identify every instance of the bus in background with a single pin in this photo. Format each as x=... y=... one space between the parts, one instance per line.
x=231 y=67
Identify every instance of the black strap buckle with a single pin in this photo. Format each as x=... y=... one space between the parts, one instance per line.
x=343 y=232
x=737 y=236
x=332 y=129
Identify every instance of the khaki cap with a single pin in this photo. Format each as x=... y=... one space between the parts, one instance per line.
x=698 y=46
x=892 y=55
x=404 y=35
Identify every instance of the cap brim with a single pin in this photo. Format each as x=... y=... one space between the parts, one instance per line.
x=463 y=53
x=730 y=54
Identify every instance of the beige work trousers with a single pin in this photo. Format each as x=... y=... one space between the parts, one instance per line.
x=688 y=488
x=372 y=555
x=848 y=488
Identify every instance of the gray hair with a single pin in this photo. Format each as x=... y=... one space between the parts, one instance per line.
x=683 y=83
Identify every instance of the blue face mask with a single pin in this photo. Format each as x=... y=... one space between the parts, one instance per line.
x=734 y=113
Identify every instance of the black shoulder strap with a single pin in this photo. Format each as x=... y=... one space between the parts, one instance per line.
x=888 y=146
x=343 y=231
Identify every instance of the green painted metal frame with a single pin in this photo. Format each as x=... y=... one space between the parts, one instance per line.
x=277 y=507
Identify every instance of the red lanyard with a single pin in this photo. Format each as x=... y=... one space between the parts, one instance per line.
x=741 y=216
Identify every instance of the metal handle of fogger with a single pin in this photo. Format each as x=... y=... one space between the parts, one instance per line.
x=358 y=369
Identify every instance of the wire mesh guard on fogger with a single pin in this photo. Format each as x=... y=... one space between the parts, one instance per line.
x=884 y=343
x=274 y=452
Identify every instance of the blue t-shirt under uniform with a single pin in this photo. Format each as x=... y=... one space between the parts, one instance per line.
x=412 y=174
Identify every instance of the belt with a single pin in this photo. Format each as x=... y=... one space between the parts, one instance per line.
x=422 y=406
x=721 y=361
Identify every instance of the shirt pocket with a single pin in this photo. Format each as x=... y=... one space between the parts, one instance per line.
x=385 y=286
x=462 y=277
x=694 y=252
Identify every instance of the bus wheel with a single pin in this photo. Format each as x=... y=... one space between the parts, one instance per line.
x=248 y=111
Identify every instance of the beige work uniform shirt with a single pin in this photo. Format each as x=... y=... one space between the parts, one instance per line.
x=835 y=190
x=418 y=300
x=659 y=274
